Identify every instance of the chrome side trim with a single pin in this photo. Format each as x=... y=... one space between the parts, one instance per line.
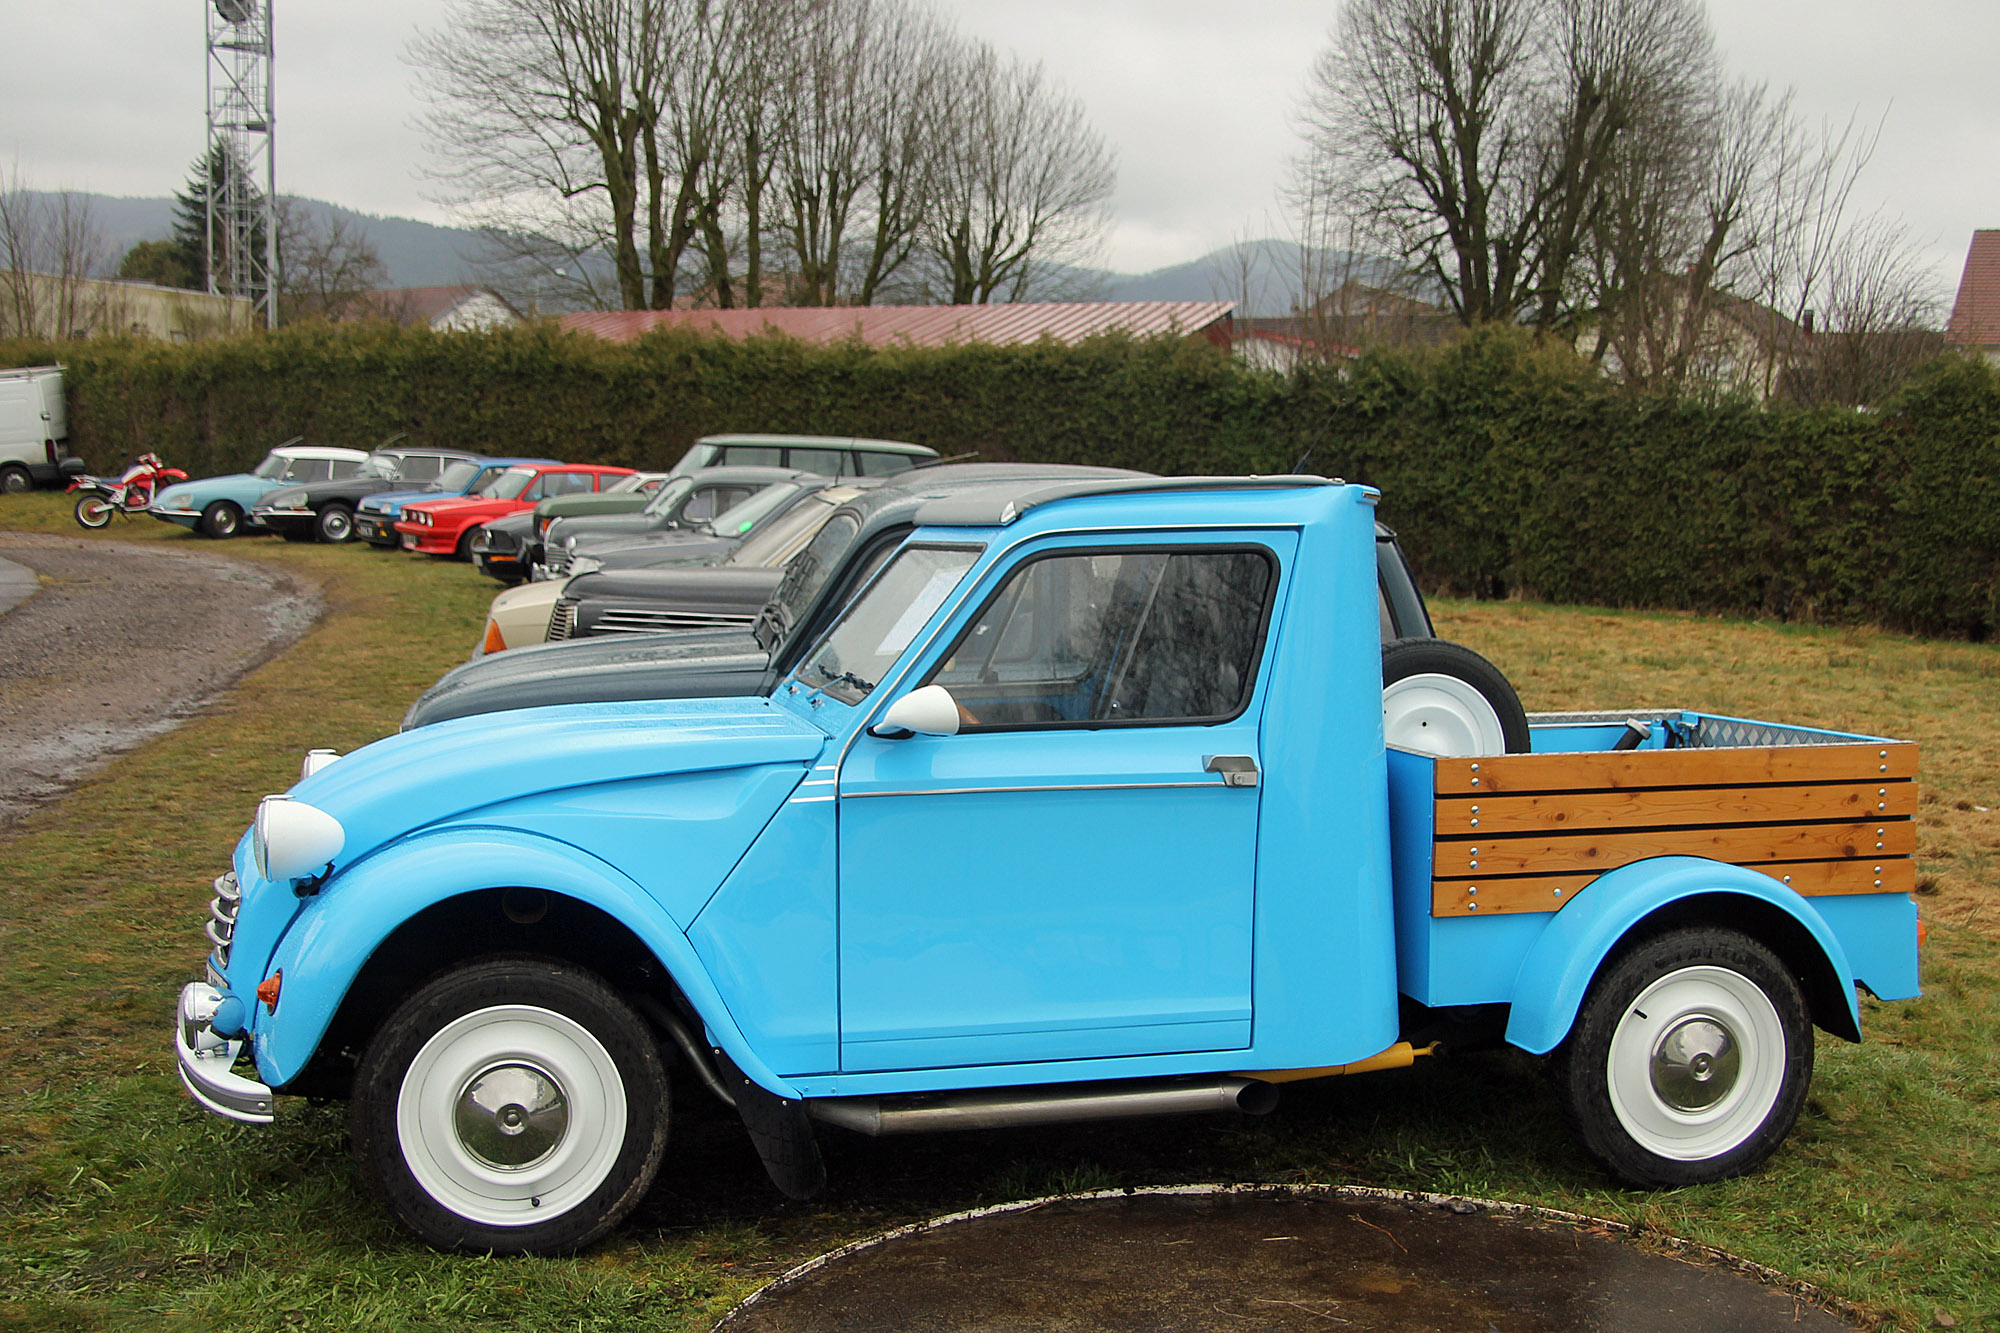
x=1078 y=786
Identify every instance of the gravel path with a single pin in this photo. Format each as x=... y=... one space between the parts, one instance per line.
x=123 y=642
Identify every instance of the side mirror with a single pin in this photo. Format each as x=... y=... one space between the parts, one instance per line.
x=930 y=711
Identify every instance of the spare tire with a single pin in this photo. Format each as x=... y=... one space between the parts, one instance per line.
x=1444 y=699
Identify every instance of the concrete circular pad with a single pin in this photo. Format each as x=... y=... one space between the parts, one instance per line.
x=1221 y=1258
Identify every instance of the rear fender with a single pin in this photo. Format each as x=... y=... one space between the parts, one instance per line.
x=1559 y=966
x=334 y=938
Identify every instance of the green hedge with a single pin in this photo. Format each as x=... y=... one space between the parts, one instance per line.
x=1508 y=468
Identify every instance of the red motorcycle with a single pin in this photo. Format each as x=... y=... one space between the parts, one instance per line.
x=131 y=491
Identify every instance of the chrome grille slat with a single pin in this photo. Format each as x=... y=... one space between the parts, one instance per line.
x=634 y=620
x=562 y=621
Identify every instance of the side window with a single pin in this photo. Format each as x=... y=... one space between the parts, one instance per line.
x=419 y=467
x=1107 y=637
x=538 y=489
x=308 y=469
x=708 y=501
x=882 y=465
x=826 y=462
x=749 y=455
x=339 y=469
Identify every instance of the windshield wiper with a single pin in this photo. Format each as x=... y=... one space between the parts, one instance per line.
x=844 y=678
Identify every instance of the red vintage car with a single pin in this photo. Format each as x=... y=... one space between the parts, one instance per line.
x=445 y=526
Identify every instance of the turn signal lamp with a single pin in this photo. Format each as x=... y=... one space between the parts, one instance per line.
x=292 y=839
x=496 y=642
x=267 y=990
x=1923 y=932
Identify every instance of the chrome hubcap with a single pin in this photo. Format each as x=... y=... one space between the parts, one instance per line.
x=1695 y=1064
x=511 y=1116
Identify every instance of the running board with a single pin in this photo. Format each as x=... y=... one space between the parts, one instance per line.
x=995 y=1108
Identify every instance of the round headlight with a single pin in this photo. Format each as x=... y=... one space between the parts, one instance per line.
x=292 y=839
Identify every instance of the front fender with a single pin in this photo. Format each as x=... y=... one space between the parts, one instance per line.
x=1558 y=968
x=333 y=939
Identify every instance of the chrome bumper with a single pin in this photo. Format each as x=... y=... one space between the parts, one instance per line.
x=206 y=1058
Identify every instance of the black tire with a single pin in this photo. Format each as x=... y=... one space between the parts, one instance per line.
x=334 y=524
x=1410 y=666
x=94 y=511
x=464 y=549
x=222 y=518
x=1689 y=1060
x=514 y=1027
x=16 y=480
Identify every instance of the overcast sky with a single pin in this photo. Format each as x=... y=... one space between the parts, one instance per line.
x=1196 y=98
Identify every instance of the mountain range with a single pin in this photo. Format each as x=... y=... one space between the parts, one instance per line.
x=1261 y=276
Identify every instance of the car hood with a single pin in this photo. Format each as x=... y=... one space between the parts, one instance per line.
x=208 y=486
x=585 y=527
x=397 y=499
x=419 y=778
x=732 y=588
x=605 y=541
x=687 y=665
x=319 y=492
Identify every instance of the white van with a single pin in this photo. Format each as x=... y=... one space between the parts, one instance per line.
x=34 y=429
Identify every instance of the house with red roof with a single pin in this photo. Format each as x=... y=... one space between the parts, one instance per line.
x=1975 y=315
x=1003 y=324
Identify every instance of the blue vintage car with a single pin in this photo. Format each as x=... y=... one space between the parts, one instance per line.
x=375 y=517
x=1081 y=807
x=220 y=506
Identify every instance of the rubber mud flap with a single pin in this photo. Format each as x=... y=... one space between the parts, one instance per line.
x=781 y=1131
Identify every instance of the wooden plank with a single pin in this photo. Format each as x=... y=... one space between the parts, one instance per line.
x=1537 y=854
x=1551 y=812
x=1548 y=893
x=1595 y=770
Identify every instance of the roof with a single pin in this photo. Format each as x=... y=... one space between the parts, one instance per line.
x=1000 y=505
x=1975 y=315
x=826 y=442
x=320 y=451
x=925 y=325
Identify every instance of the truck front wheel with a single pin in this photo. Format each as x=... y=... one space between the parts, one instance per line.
x=516 y=1106
x=1689 y=1060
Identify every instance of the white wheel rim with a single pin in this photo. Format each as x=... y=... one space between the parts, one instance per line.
x=510 y=1048
x=1440 y=715
x=335 y=525
x=1696 y=1063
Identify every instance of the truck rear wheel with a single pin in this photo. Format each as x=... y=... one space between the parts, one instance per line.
x=1443 y=699
x=516 y=1106
x=1689 y=1060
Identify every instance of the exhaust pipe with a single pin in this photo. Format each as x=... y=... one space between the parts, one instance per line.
x=995 y=1108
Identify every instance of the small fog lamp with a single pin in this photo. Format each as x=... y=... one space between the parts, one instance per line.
x=315 y=761
x=292 y=839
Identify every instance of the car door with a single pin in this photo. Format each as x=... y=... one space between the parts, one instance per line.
x=1073 y=874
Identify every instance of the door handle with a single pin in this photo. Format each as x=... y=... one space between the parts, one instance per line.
x=1236 y=770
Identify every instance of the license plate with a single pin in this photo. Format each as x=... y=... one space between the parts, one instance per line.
x=409 y=541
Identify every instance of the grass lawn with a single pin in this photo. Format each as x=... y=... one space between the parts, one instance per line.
x=128 y=1206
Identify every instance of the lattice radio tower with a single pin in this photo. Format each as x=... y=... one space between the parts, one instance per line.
x=242 y=217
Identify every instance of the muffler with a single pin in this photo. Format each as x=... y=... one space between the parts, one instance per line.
x=995 y=1108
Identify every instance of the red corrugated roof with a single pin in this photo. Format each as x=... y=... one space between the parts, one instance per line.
x=1975 y=316
x=927 y=325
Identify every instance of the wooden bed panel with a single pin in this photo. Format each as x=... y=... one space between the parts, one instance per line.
x=1596 y=770
x=1547 y=893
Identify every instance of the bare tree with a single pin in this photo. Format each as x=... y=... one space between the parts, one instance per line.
x=1879 y=318
x=327 y=267
x=1022 y=182
x=1476 y=139
x=548 y=121
x=50 y=254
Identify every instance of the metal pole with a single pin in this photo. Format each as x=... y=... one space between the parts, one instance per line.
x=270 y=169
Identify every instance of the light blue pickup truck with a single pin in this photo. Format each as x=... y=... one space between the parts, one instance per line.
x=1082 y=808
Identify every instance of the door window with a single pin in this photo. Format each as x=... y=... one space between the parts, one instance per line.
x=826 y=462
x=749 y=455
x=1102 y=637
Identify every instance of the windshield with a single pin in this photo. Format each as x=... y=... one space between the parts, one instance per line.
x=457 y=476
x=881 y=622
x=780 y=539
x=747 y=513
x=508 y=485
x=669 y=495
x=380 y=467
x=805 y=574
x=272 y=468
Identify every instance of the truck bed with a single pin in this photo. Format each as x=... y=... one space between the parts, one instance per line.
x=1500 y=838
